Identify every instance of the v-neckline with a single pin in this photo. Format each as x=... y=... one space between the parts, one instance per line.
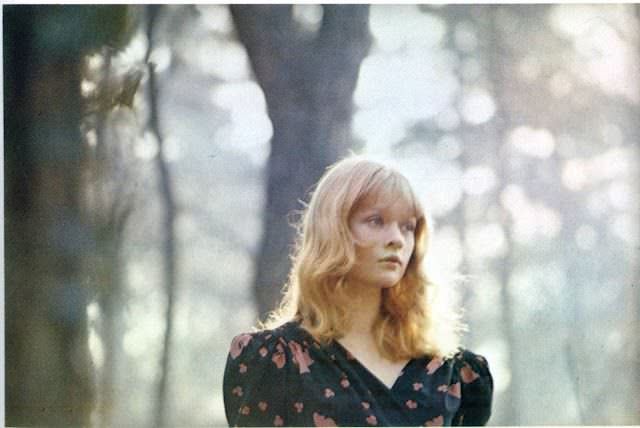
x=350 y=356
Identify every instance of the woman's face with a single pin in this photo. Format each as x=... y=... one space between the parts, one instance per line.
x=384 y=232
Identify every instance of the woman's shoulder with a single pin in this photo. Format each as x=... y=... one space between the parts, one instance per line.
x=470 y=365
x=465 y=356
x=471 y=373
x=267 y=341
x=259 y=376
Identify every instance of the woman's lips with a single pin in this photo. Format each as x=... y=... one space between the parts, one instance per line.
x=392 y=259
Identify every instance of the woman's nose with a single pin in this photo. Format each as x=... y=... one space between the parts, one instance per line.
x=394 y=236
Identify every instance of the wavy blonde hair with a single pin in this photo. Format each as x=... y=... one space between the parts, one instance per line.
x=317 y=292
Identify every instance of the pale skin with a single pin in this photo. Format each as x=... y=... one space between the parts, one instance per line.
x=381 y=229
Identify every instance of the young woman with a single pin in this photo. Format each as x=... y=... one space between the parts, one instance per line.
x=356 y=341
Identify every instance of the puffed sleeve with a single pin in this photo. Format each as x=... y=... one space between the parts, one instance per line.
x=256 y=379
x=476 y=389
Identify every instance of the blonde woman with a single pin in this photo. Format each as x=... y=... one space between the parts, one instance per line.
x=356 y=341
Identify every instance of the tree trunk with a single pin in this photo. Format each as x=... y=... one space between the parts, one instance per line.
x=49 y=375
x=168 y=227
x=308 y=82
x=108 y=205
x=453 y=16
x=633 y=300
x=503 y=123
x=111 y=302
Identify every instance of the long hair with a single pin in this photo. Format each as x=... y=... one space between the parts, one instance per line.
x=317 y=292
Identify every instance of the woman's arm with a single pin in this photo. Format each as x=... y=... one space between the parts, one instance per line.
x=476 y=389
x=255 y=381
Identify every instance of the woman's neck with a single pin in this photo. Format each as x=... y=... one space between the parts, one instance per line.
x=364 y=312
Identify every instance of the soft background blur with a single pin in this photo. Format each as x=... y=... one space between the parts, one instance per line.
x=146 y=206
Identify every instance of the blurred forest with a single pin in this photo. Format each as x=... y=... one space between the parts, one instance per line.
x=156 y=155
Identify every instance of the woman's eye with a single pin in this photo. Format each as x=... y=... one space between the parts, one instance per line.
x=376 y=221
x=410 y=227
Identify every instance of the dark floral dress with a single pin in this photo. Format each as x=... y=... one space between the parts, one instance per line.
x=284 y=377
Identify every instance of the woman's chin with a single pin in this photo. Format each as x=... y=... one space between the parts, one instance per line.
x=389 y=283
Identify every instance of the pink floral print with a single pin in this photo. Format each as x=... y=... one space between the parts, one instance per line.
x=438 y=421
x=322 y=421
x=300 y=357
x=279 y=358
x=434 y=365
x=238 y=344
x=467 y=374
x=454 y=390
x=237 y=391
x=263 y=351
